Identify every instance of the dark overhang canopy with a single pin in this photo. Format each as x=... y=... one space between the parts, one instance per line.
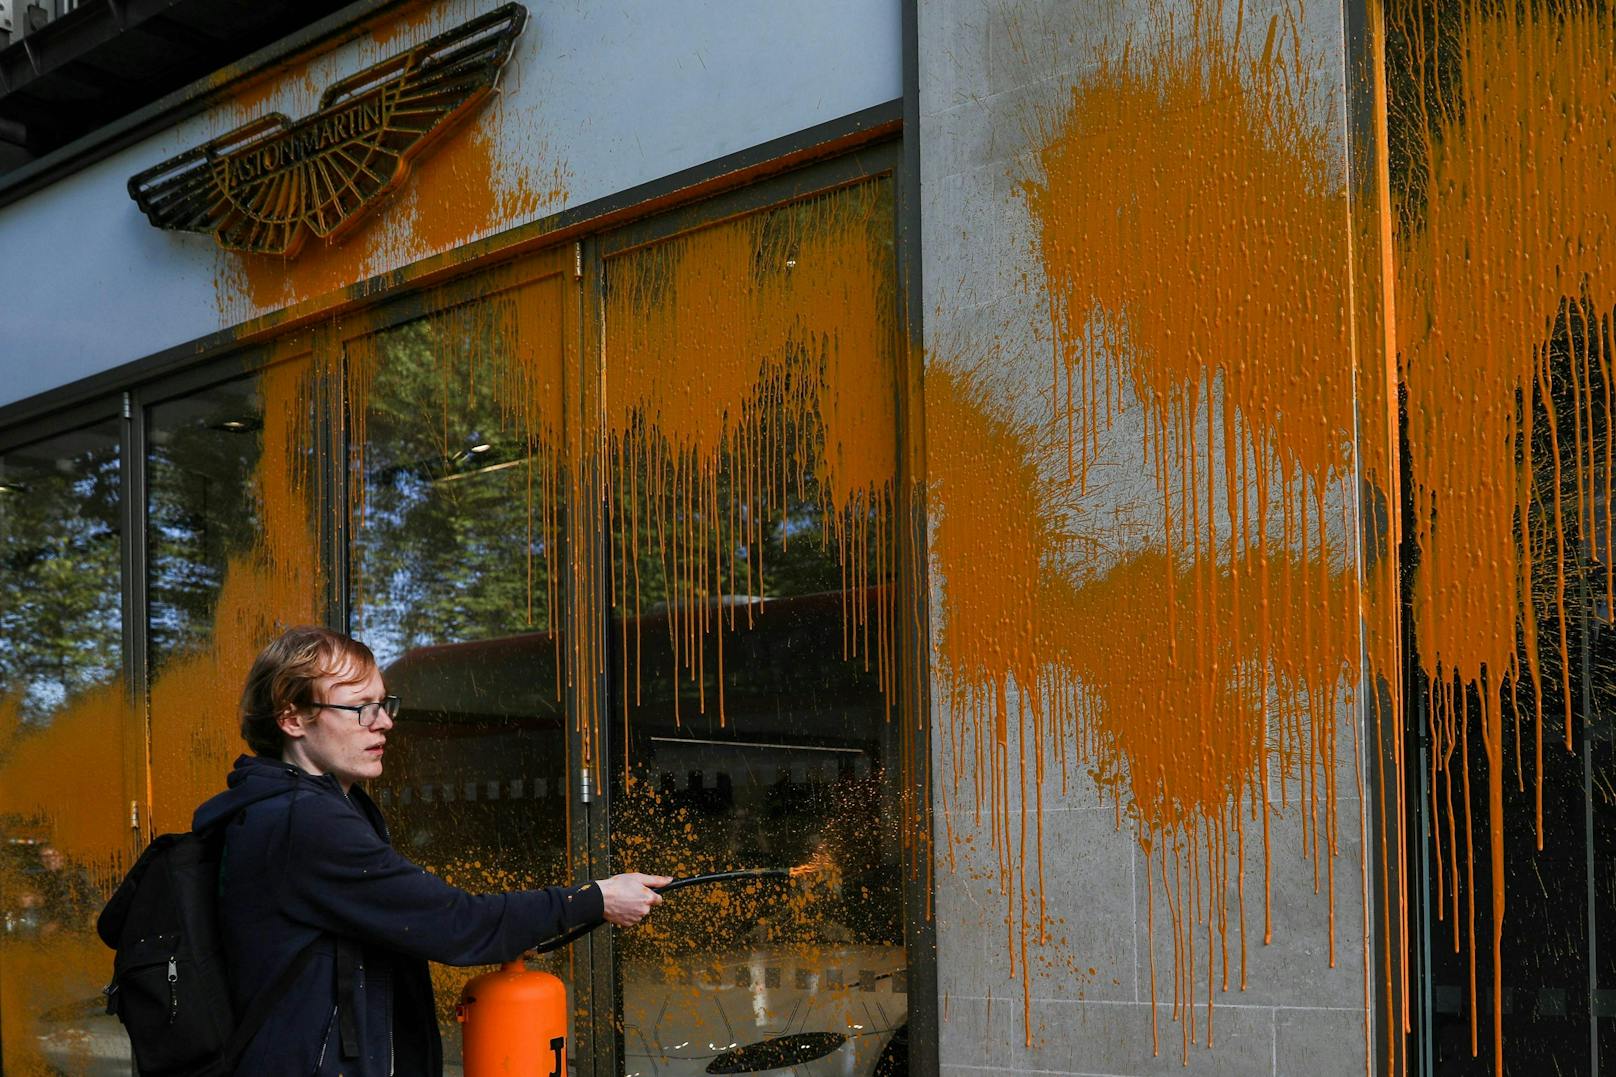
x=108 y=58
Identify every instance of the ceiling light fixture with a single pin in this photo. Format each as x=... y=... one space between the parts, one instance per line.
x=238 y=426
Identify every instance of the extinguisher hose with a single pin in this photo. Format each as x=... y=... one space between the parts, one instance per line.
x=679 y=884
x=724 y=876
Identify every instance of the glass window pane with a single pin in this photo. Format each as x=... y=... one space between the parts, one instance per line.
x=232 y=558
x=456 y=433
x=751 y=422
x=64 y=843
x=1555 y=983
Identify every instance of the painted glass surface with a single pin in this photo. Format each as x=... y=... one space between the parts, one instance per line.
x=1552 y=890
x=64 y=807
x=232 y=560
x=1554 y=992
x=1504 y=240
x=455 y=426
x=750 y=399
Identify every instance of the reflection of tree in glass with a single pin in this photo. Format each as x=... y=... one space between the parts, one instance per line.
x=202 y=511
x=60 y=610
x=451 y=535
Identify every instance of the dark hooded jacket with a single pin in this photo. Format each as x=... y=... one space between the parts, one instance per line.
x=303 y=861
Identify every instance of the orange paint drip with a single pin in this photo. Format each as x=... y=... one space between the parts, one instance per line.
x=781 y=329
x=1175 y=727
x=1200 y=665
x=1506 y=294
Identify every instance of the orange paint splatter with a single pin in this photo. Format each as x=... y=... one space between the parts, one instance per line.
x=1506 y=301
x=87 y=815
x=1197 y=659
x=781 y=326
x=85 y=809
x=464 y=194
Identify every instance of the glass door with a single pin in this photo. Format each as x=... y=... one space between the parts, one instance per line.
x=232 y=559
x=1556 y=997
x=65 y=835
x=457 y=482
x=750 y=436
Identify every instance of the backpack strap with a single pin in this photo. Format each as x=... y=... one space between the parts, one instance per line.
x=266 y=1000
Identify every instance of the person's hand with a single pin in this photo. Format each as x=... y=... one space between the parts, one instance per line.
x=628 y=897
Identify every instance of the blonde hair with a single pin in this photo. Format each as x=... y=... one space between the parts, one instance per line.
x=284 y=675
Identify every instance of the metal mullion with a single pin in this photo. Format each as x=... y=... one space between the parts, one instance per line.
x=911 y=681
x=1397 y=894
x=579 y=859
x=1423 y=1006
x=593 y=829
x=332 y=454
x=1589 y=625
x=137 y=726
x=106 y=409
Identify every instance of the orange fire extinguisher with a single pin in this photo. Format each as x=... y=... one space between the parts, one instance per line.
x=514 y=1023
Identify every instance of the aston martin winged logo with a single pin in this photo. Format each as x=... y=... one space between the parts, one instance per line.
x=264 y=186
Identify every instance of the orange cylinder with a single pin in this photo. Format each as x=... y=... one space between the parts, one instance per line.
x=513 y=1023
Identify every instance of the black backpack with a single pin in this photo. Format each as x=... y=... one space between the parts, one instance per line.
x=169 y=986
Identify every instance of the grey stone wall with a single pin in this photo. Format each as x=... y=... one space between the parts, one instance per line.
x=992 y=77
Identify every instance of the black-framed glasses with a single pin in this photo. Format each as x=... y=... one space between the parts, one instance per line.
x=367 y=713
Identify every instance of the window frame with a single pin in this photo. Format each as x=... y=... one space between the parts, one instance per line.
x=799 y=166
x=880 y=160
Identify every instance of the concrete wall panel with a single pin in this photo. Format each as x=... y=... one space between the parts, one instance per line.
x=1079 y=490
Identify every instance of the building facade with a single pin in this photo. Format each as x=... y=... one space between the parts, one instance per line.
x=1118 y=493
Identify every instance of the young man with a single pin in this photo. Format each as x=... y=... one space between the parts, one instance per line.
x=307 y=857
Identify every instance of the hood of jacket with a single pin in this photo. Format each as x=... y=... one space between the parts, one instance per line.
x=254 y=779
